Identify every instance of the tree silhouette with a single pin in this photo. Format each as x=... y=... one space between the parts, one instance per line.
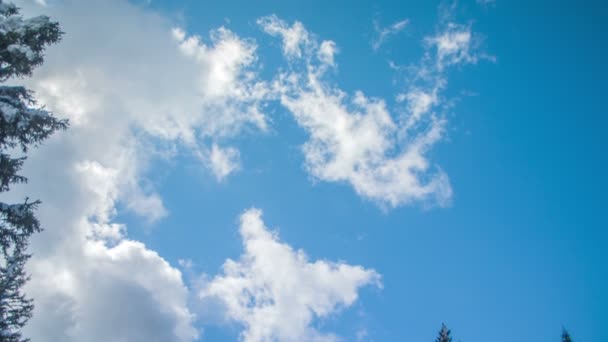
x=444 y=334
x=22 y=125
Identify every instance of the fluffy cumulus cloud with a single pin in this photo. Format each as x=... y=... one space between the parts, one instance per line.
x=227 y=82
x=132 y=86
x=123 y=293
x=131 y=98
x=355 y=138
x=276 y=292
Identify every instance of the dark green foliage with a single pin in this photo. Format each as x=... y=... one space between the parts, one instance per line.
x=23 y=41
x=444 y=334
x=8 y=171
x=17 y=224
x=566 y=336
x=22 y=125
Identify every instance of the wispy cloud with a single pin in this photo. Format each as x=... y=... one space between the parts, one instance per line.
x=486 y=2
x=383 y=33
x=221 y=161
x=356 y=139
x=296 y=38
x=453 y=45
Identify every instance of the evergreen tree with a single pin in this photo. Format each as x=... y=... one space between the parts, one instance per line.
x=566 y=336
x=444 y=334
x=22 y=125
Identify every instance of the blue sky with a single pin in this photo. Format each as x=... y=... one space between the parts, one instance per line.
x=175 y=138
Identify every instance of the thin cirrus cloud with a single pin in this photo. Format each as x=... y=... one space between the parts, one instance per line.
x=383 y=33
x=276 y=292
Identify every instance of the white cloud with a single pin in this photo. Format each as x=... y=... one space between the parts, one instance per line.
x=230 y=91
x=123 y=293
x=362 y=335
x=419 y=102
x=352 y=138
x=356 y=139
x=222 y=161
x=383 y=33
x=276 y=292
x=129 y=84
x=453 y=46
x=295 y=37
x=326 y=52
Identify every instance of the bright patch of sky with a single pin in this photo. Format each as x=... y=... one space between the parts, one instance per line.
x=415 y=163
